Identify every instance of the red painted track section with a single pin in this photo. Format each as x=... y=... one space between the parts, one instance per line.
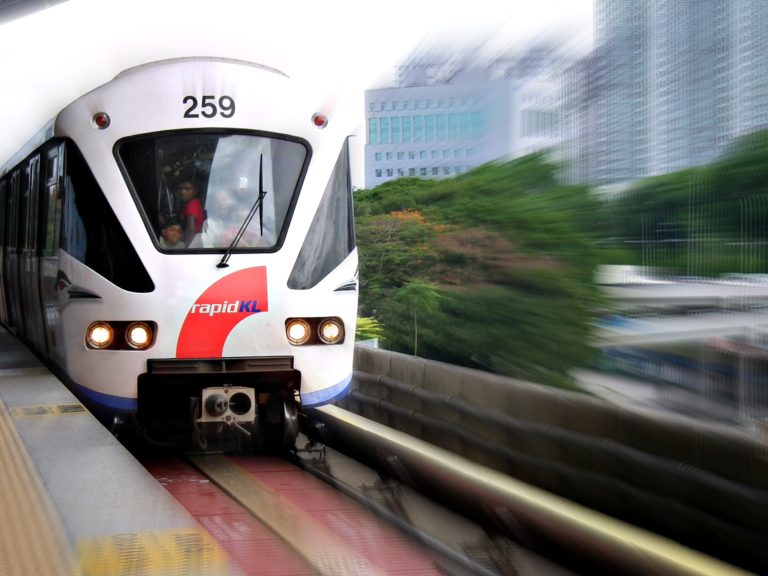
x=257 y=550
x=251 y=546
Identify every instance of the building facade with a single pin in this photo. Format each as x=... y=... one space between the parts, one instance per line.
x=669 y=85
x=438 y=130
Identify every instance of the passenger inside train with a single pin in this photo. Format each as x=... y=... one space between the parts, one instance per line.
x=220 y=182
x=172 y=234
x=192 y=214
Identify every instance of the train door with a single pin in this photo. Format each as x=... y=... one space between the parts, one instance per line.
x=29 y=278
x=3 y=310
x=50 y=283
x=10 y=257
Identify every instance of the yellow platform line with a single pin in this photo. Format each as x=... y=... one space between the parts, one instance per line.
x=322 y=550
x=32 y=541
x=175 y=552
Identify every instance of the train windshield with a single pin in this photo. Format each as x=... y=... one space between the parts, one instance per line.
x=198 y=189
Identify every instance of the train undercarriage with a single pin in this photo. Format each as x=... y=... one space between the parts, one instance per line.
x=220 y=405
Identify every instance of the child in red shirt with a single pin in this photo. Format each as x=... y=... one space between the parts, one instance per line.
x=192 y=213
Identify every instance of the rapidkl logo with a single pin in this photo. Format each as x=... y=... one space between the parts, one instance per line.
x=219 y=309
x=226 y=307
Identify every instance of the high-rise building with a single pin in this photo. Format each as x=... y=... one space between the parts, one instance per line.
x=437 y=130
x=669 y=85
x=445 y=116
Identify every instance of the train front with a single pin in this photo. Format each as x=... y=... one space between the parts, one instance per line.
x=234 y=188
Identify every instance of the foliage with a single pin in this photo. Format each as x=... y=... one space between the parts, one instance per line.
x=700 y=221
x=368 y=329
x=492 y=269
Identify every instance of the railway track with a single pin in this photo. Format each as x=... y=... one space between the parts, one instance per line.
x=319 y=512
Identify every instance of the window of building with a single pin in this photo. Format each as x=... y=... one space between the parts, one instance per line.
x=446 y=153
x=423 y=154
x=434 y=171
x=453 y=126
x=400 y=172
x=478 y=125
x=384 y=126
x=435 y=154
x=418 y=128
x=378 y=172
x=395 y=125
x=407 y=135
x=377 y=156
x=441 y=127
x=371 y=107
x=458 y=153
x=389 y=172
x=464 y=126
x=429 y=121
x=373 y=130
x=411 y=171
x=423 y=171
x=401 y=155
x=446 y=170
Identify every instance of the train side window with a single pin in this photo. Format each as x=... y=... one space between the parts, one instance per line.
x=24 y=194
x=331 y=237
x=12 y=216
x=29 y=215
x=2 y=217
x=54 y=203
x=92 y=232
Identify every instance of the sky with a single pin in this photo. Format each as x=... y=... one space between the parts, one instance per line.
x=51 y=57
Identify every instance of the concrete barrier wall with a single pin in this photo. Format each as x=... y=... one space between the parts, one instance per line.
x=729 y=453
x=704 y=486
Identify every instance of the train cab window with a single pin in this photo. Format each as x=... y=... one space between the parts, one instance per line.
x=92 y=232
x=241 y=180
x=331 y=237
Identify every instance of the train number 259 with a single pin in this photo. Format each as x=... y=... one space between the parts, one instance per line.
x=207 y=106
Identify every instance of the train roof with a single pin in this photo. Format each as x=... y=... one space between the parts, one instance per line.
x=47 y=131
x=42 y=135
x=133 y=69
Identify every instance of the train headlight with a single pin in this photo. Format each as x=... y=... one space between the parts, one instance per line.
x=138 y=335
x=298 y=331
x=331 y=331
x=99 y=335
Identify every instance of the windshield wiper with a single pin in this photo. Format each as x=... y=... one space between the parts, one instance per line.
x=258 y=205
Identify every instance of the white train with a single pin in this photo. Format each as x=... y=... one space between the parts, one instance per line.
x=178 y=245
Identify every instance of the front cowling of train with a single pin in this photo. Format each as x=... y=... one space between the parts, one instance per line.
x=264 y=310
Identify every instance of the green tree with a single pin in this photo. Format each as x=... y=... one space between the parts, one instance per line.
x=418 y=299
x=492 y=269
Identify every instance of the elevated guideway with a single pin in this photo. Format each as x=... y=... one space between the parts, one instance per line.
x=531 y=459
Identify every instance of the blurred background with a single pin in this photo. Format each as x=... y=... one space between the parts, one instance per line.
x=586 y=212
